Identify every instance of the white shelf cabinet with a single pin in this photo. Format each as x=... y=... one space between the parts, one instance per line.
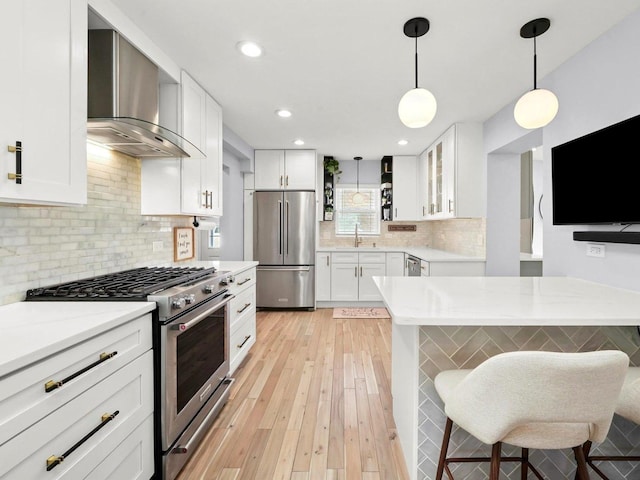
x=243 y=316
x=351 y=275
x=37 y=426
x=187 y=186
x=405 y=188
x=285 y=170
x=44 y=58
x=450 y=174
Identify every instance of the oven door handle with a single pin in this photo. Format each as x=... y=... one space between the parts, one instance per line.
x=183 y=327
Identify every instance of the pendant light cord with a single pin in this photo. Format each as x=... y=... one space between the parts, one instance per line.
x=358 y=176
x=535 y=65
x=416 y=56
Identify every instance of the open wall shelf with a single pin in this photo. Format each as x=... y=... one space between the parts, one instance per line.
x=607 y=237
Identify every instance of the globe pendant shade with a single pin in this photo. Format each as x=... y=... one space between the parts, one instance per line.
x=417 y=108
x=536 y=108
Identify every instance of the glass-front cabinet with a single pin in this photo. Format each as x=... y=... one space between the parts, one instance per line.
x=454 y=159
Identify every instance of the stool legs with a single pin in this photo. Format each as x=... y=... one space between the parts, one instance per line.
x=496 y=453
x=524 y=464
x=444 y=448
x=583 y=473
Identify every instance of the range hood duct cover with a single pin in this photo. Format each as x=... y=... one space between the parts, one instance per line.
x=123 y=106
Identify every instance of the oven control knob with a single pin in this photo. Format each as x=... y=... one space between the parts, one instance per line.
x=232 y=279
x=178 y=303
x=224 y=281
x=190 y=298
x=207 y=289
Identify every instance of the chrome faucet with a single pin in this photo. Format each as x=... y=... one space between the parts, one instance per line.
x=358 y=240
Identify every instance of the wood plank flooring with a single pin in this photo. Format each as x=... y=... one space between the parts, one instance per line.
x=311 y=401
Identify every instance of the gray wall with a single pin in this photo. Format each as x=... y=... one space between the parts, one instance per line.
x=596 y=88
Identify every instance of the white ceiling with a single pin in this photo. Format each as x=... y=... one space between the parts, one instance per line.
x=341 y=66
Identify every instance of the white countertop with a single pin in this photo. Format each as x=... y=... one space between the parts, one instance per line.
x=31 y=331
x=223 y=266
x=424 y=253
x=507 y=301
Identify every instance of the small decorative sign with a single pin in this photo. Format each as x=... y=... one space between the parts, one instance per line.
x=183 y=246
x=401 y=228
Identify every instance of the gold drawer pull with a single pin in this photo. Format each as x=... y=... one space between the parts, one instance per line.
x=51 y=385
x=244 y=281
x=246 y=305
x=54 y=460
x=246 y=339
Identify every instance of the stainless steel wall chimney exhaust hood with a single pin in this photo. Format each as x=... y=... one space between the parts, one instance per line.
x=123 y=101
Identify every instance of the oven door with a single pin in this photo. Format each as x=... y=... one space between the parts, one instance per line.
x=194 y=359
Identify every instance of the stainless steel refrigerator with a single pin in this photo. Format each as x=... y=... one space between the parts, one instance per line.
x=284 y=239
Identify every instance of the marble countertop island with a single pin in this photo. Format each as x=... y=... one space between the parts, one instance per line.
x=505 y=301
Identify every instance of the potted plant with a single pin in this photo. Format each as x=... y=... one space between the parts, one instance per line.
x=328 y=212
x=332 y=166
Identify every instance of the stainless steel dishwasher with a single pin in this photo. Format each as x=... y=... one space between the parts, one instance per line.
x=413 y=266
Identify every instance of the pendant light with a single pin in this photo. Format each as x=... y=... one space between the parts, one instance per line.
x=358 y=198
x=539 y=106
x=418 y=106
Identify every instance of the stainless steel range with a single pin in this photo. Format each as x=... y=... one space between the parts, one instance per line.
x=191 y=347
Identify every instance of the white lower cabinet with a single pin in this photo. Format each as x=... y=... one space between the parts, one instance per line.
x=395 y=264
x=323 y=276
x=64 y=416
x=453 y=269
x=243 y=316
x=351 y=275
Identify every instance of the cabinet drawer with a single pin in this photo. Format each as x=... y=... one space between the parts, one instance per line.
x=243 y=336
x=344 y=257
x=129 y=392
x=242 y=281
x=242 y=304
x=372 y=257
x=23 y=398
x=132 y=459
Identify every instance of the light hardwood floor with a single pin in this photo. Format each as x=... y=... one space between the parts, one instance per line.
x=311 y=401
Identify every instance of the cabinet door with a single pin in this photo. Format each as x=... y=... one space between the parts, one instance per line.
x=212 y=171
x=395 y=264
x=194 y=113
x=44 y=58
x=269 y=169
x=449 y=172
x=367 y=290
x=344 y=281
x=323 y=276
x=300 y=169
x=404 y=188
x=423 y=187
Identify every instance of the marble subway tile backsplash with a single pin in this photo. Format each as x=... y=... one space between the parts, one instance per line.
x=40 y=246
x=465 y=236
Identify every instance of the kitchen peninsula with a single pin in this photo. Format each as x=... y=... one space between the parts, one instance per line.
x=442 y=323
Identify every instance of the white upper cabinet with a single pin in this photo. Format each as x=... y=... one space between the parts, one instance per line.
x=450 y=174
x=43 y=93
x=187 y=186
x=285 y=170
x=404 y=188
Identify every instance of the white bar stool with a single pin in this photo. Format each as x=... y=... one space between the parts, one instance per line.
x=543 y=400
x=628 y=407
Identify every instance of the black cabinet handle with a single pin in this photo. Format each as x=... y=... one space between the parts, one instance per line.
x=246 y=339
x=54 y=460
x=51 y=385
x=17 y=149
x=246 y=305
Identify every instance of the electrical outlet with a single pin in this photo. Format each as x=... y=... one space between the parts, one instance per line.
x=157 y=246
x=595 y=250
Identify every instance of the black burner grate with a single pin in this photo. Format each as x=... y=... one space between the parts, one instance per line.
x=134 y=284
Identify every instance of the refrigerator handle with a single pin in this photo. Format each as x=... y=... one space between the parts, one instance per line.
x=287 y=227
x=280 y=229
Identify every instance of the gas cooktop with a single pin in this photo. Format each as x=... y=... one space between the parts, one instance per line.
x=128 y=285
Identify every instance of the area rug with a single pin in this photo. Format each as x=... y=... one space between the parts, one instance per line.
x=360 y=312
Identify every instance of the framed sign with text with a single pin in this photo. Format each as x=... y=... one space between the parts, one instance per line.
x=183 y=245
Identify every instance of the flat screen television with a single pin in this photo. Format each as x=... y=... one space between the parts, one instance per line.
x=596 y=178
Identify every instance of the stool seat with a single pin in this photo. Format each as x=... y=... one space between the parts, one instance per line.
x=535 y=399
x=629 y=400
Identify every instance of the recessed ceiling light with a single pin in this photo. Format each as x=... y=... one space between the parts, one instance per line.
x=250 y=49
x=403 y=142
x=299 y=141
x=283 y=113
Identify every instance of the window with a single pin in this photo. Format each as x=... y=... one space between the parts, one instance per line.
x=365 y=214
x=214 y=239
